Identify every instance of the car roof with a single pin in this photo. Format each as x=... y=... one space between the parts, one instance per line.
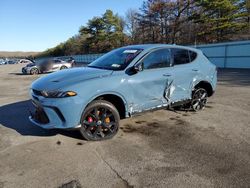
x=153 y=46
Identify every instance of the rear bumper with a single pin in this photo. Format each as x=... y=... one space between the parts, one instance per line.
x=214 y=81
x=213 y=92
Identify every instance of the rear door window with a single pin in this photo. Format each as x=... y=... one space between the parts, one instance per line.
x=180 y=56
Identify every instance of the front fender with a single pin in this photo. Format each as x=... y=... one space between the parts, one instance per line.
x=87 y=101
x=107 y=93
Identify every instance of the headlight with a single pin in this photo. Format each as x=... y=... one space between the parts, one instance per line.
x=58 y=94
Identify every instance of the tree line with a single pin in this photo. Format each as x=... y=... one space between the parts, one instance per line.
x=186 y=22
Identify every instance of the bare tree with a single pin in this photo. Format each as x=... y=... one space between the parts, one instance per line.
x=131 y=23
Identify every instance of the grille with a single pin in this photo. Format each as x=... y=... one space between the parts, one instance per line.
x=40 y=116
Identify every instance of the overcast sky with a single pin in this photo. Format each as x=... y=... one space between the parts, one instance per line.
x=35 y=25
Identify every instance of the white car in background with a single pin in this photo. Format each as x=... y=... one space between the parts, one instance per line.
x=24 y=61
x=2 y=62
x=50 y=65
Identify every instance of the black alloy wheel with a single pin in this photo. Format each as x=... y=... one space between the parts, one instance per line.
x=100 y=121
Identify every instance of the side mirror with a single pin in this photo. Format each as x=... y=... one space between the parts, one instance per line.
x=139 y=67
x=135 y=69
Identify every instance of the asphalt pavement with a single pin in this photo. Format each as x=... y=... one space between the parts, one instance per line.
x=210 y=148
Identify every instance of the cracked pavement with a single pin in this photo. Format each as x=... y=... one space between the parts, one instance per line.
x=160 y=149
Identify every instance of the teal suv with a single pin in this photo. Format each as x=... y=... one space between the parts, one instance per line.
x=120 y=84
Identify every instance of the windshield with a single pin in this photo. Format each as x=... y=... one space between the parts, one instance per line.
x=117 y=59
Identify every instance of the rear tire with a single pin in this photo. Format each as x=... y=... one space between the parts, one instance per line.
x=99 y=121
x=199 y=99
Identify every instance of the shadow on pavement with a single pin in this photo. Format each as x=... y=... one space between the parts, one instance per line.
x=21 y=74
x=15 y=116
x=18 y=74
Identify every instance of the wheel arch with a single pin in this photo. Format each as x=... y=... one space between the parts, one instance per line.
x=205 y=85
x=117 y=100
x=63 y=66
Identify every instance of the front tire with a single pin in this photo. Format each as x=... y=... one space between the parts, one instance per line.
x=99 y=121
x=34 y=71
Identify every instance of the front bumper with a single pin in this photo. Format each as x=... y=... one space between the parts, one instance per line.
x=56 y=113
x=24 y=70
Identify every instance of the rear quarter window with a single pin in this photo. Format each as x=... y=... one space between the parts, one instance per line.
x=193 y=56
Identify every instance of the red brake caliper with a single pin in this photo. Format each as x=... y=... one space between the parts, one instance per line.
x=90 y=120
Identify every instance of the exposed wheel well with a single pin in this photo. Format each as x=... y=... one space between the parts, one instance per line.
x=116 y=101
x=207 y=86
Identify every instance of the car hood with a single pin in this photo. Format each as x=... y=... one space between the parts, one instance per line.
x=67 y=77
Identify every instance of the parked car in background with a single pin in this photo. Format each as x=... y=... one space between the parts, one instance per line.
x=2 y=62
x=11 y=62
x=120 y=84
x=50 y=65
x=24 y=61
x=69 y=60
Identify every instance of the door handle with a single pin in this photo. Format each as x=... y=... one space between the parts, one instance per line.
x=167 y=75
x=195 y=70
